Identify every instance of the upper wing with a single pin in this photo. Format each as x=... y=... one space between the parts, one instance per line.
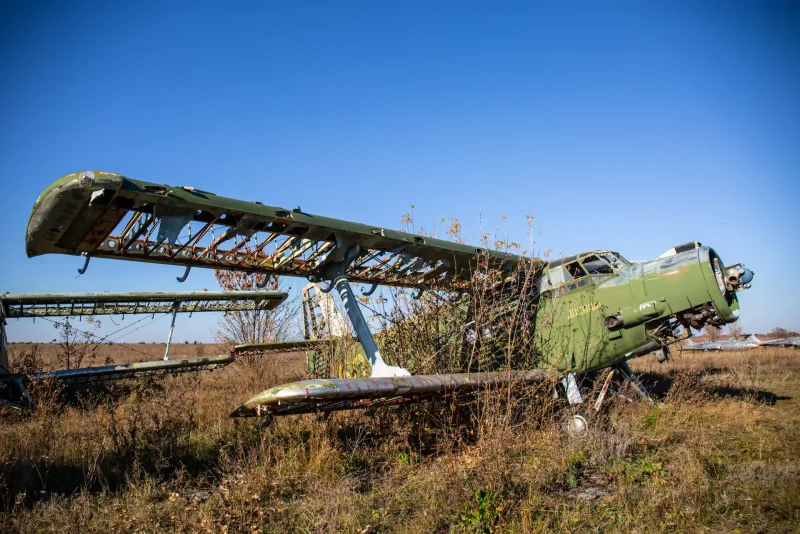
x=107 y=215
x=73 y=304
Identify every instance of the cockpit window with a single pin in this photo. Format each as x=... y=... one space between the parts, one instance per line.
x=574 y=269
x=595 y=265
x=559 y=276
x=617 y=257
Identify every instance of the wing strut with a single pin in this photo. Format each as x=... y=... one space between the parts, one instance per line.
x=337 y=273
x=172 y=325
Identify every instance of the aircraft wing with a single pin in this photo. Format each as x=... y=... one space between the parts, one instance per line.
x=129 y=370
x=327 y=395
x=278 y=347
x=709 y=345
x=786 y=342
x=84 y=375
x=17 y=305
x=101 y=214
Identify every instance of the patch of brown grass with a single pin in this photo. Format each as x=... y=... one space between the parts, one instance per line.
x=720 y=454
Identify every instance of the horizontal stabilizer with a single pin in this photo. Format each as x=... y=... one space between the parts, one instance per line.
x=327 y=395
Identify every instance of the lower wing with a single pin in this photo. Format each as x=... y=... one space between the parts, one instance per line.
x=277 y=347
x=129 y=370
x=328 y=395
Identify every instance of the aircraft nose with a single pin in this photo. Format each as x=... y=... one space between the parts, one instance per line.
x=740 y=277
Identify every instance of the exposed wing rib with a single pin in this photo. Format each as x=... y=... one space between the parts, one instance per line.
x=16 y=305
x=130 y=370
x=326 y=395
x=108 y=215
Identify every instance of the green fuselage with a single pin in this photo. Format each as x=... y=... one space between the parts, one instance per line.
x=642 y=296
x=650 y=303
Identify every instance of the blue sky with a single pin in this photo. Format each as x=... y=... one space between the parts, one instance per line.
x=630 y=126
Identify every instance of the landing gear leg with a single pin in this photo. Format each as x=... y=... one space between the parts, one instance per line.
x=634 y=382
x=336 y=272
x=576 y=424
x=574 y=395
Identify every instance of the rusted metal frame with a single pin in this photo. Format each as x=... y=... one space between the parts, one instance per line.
x=421 y=276
x=302 y=249
x=228 y=258
x=373 y=254
x=124 y=246
x=155 y=225
x=270 y=258
x=241 y=243
x=604 y=390
x=255 y=252
x=378 y=281
x=389 y=272
x=401 y=272
x=279 y=250
x=435 y=271
x=379 y=265
x=192 y=241
x=196 y=255
x=146 y=239
x=129 y=226
x=323 y=248
x=218 y=241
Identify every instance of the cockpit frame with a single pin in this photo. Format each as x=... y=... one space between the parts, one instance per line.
x=579 y=270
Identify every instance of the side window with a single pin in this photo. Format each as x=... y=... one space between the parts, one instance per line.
x=594 y=265
x=574 y=269
x=559 y=276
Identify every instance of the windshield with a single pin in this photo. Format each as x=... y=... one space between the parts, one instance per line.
x=616 y=259
x=597 y=265
x=559 y=276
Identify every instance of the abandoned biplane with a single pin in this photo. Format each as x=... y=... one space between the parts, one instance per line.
x=62 y=305
x=603 y=309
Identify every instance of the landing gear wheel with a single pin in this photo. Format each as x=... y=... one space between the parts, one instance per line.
x=576 y=425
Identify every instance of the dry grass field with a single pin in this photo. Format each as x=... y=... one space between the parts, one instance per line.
x=719 y=454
